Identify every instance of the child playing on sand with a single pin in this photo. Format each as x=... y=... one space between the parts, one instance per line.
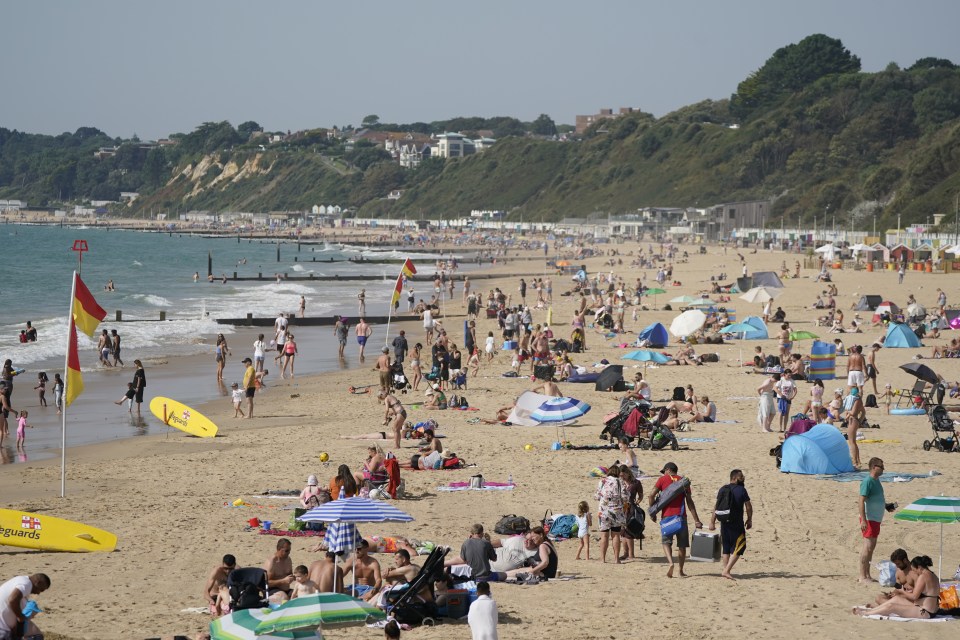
x=473 y=364
x=303 y=585
x=584 y=522
x=238 y=395
x=42 y=387
x=489 y=345
x=128 y=397
x=21 y=428
x=886 y=397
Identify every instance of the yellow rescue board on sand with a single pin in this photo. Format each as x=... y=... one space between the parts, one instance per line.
x=176 y=414
x=46 y=533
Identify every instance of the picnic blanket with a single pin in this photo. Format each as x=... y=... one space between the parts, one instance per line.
x=487 y=486
x=857 y=476
x=291 y=534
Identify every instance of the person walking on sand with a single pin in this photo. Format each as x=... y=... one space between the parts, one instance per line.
x=871 y=506
x=249 y=384
x=139 y=383
x=383 y=369
x=855 y=366
x=675 y=508
x=766 y=406
x=394 y=416
x=733 y=503
x=363 y=331
x=900 y=273
x=872 y=370
x=289 y=353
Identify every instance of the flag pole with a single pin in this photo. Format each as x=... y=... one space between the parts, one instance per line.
x=386 y=338
x=63 y=410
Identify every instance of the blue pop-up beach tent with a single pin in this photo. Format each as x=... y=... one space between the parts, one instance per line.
x=823 y=449
x=656 y=335
x=900 y=336
x=759 y=325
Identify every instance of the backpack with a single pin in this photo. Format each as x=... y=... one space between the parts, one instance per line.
x=870 y=401
x=454 y=401
x=463 y=403
x=678 y=394
x=724 y=503
x=512 y=524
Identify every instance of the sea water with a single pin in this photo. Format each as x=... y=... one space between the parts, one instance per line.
x=153 y=272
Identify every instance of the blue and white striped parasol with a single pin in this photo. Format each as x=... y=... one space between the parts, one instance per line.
x=355 y=510
x=559 y=410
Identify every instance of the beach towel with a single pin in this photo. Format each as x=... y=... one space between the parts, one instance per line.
x=696 y=439
x=487 y=486
x=857 y=476
x=289 y=533
x=392 y=465
x=868 y=441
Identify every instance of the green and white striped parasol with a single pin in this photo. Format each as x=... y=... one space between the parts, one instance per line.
x=242 y=624
x=310 y=612
x=941 y=509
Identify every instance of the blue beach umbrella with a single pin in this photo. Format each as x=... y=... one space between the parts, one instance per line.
x=354 y=510
x=645 y=355
x=559 y=410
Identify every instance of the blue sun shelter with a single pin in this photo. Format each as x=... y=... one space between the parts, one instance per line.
x=901 y=336
x=655 y=336
x=822 y=450
x=759 y=325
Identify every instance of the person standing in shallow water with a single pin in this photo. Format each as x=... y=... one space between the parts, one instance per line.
x=139 y=384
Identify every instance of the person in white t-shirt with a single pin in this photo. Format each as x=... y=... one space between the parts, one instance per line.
x=258 y=347
x=786 y=390
x=13 y=598
x=483 y=614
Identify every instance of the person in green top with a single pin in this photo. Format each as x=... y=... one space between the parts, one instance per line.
x=872 y=506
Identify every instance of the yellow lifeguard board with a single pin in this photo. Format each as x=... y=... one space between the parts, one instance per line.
x=176 y=414
x=46 y=533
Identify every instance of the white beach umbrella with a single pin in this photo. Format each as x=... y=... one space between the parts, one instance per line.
x=761 y=294
x=828 y=250
x=687 y=323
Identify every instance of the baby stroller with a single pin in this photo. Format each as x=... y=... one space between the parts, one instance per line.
x=614 y=430
x=945 y=436
x=658 y=438
x=405 y=603
x=248 y=588
x=400 y=382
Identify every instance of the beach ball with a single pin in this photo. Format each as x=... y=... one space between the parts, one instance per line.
x=324 y=456
x=528 y=447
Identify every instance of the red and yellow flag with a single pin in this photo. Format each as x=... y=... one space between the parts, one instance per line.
x=407 y=270
x=74 y=382
x=86 y=312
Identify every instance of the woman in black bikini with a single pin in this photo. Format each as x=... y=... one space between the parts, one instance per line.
x=922 y=601
x=394 y=416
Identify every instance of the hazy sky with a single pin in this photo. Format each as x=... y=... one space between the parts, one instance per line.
x=160 y=67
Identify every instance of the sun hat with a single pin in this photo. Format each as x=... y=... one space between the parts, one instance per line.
x=429 y=392
x=854 y=391
x=838 y=390
x=312 y=480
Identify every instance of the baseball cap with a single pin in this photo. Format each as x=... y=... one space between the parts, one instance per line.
x=247 y=360
x=670 y=466
x=385 y=349
x=312 y=480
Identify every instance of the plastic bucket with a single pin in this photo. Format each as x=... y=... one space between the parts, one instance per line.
x=266 y=524
x=870 y=266
x=458 y=603
x=254 y=522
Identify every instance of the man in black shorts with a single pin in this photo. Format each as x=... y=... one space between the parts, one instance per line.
x=733 y=529
x=249 y=384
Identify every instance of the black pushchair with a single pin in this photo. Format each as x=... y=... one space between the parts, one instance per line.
x=248 y=588
x=398 y=378
x=659 y=437
x=945 y=436
x=406 y=605
x=613 y=429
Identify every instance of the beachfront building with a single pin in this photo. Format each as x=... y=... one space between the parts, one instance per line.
x=12 y=206
x=722 y=219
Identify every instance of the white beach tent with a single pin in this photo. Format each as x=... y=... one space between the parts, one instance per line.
x=828 y=250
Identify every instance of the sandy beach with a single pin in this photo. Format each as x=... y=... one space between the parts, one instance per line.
x=169 y=498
